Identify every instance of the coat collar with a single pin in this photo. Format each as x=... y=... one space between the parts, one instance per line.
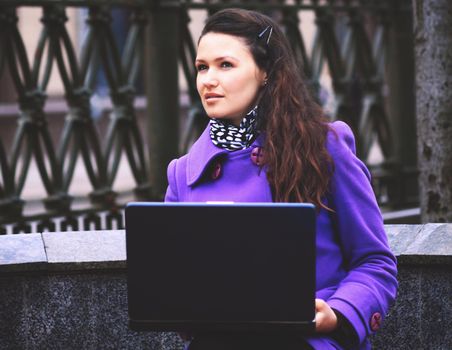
x=203 y=152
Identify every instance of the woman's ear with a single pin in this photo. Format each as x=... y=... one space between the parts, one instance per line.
x=264 y=79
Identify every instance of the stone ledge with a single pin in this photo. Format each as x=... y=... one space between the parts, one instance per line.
x=51 y=300
x=22 y=249
x=85 y=246
x=428 y=244
x=59 y=251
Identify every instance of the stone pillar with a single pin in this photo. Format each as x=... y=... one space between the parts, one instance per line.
x=433 y=55
x=162 y=90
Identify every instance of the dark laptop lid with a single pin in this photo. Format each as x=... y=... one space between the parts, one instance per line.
x=200 y=267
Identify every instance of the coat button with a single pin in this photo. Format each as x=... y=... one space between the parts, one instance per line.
x=375 y=321
x=257 y=155
x=216 y=171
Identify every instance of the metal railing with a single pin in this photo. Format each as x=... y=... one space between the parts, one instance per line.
x=360 y=45
x=79 y=139
x=366 y=49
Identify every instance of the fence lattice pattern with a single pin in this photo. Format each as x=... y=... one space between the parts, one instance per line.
x=349 y=45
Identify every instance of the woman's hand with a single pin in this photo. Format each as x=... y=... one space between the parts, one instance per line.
x=325 y=318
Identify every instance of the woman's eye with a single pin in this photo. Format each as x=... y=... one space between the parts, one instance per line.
x=226 y=64
x=201 y=67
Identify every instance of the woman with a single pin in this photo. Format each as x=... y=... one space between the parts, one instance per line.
x=268 y=140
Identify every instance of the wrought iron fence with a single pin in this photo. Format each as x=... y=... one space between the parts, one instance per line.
x=79 y=140
x=366 y=49
x=356 y=44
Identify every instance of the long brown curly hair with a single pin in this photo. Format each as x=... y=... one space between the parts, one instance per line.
x=298 y=165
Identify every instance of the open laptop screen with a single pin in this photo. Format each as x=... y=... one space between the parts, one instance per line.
x=200 y=267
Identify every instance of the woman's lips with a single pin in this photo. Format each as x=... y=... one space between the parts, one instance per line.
x=212 y=96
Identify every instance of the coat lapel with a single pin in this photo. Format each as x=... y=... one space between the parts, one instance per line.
x=201 y=154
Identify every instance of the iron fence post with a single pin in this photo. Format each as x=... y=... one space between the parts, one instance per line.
x=161 y=75
x=402 y=189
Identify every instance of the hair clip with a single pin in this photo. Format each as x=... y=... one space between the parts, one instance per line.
x=261 y=34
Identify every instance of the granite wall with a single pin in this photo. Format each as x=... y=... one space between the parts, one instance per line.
x=69 y=291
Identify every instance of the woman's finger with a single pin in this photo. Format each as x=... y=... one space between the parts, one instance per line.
x=325 y=318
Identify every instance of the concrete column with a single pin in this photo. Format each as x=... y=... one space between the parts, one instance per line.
x=162 y=90
x=433 y=55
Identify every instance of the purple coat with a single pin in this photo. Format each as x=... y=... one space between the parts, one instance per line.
x=356 y=271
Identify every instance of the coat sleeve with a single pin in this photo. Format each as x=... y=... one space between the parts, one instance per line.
x=171 y=192
x=369 y=288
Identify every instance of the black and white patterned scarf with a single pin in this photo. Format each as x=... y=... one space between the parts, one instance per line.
x=231 y=137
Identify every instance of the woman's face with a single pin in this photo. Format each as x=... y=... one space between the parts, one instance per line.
x=228 y=79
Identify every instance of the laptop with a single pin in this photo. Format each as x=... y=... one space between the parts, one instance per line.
x=221 y=267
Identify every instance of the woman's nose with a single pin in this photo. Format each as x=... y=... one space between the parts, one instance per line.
x=209 y=79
